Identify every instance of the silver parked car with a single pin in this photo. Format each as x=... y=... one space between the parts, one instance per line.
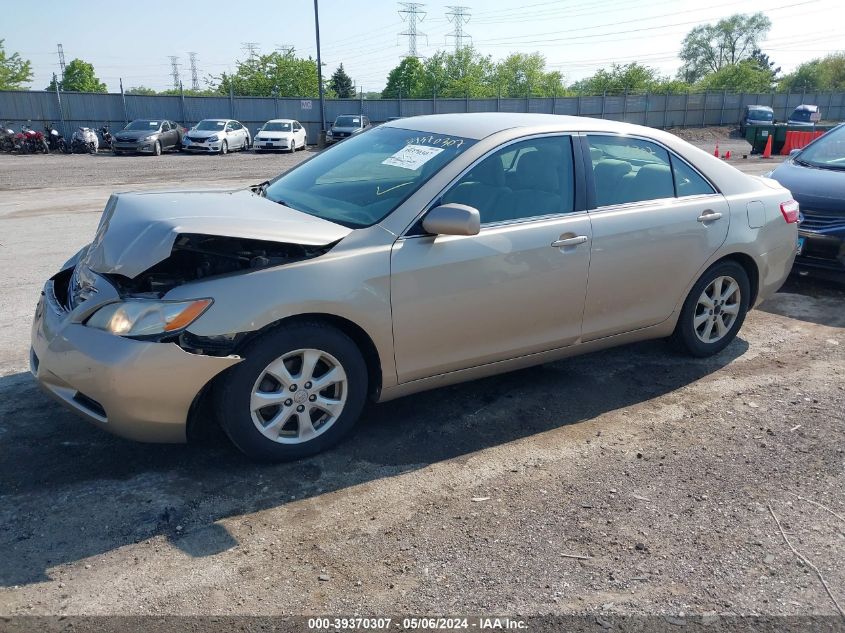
x=219 y=136
x=404 y=259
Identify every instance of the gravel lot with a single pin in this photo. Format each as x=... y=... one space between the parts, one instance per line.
x=625 y=482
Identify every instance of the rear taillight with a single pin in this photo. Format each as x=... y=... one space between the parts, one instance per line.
x=790 y=211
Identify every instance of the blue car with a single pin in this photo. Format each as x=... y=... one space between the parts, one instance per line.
x=816 y=177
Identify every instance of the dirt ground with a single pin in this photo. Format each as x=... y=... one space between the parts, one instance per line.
x=631 y=481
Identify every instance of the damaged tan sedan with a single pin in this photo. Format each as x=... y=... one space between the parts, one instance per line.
x=421 y=253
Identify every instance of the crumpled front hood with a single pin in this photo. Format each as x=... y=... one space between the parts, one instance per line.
x=138 y=230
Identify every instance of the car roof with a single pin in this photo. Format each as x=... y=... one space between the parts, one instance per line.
x=218 y=119
x=282 y=121
x=805 y=106
x=479 y=125
x=759 y=107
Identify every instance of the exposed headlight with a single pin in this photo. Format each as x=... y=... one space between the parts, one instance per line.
x=149 y=138
x=142 y=317
x=212 y=139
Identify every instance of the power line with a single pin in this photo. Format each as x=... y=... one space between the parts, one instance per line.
x=174 y=71
x=195 y=81
x=285 y=49
x=458 y=16
x=411 y=12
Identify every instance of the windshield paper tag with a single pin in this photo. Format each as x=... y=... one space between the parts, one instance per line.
x=412 y=156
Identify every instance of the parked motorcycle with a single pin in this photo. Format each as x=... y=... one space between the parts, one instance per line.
x=55 y=140
x=105 y=137
x=84 y=140
x=33 y=141
x=7 y=138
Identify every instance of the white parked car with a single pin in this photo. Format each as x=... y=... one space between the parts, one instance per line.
x=219 y=136
x=280 y=134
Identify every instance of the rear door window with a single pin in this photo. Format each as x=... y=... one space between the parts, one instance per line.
x=628 y=170
x=689 y=182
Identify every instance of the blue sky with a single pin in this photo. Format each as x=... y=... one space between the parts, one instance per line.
x=134 y=39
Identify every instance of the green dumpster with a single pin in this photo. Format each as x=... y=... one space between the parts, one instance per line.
x=758 y=135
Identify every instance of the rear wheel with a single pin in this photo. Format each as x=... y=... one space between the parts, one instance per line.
x=299 y=390
x=713 y=311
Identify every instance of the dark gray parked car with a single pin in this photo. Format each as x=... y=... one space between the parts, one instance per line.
x=148 y=136
x=347 y=125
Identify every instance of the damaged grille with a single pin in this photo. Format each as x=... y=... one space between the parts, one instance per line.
x=196 y=256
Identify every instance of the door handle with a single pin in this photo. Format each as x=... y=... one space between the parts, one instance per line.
x=570 y=241
x=709 y=216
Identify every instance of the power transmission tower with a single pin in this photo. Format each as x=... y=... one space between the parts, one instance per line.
x=61 y=52
x=251 y=48
x=458 y=16
x=285 y=49
x=174 y=71
x=411 y=13
x=195 y=81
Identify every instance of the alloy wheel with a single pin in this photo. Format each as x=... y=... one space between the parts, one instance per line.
x=299 y=396
x=717 y=309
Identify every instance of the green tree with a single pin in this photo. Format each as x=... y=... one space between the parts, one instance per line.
x=79 y=77
x=140 y=90
x=341 y=84
x=709 y=47
x=408 y=78
x=825 y=73
x=14 y=71
x=520 y=74
x=746 y=76
x=464 y=73
x=620 y=78
x=275 y=74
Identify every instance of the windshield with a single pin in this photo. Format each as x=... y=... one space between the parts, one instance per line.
x=760 y=115
x=143 y=124
x=801 y=115
x=209 y=124
x=361 y=181
x=275 y=126
x=347 y=121
x=827 y=152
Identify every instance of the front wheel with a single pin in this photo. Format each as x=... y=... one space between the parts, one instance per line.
x=299 y=390
x=157 y=148
x=713 y=311
x=224 y=148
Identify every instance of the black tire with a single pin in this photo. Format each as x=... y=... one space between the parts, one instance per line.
x=685 y=339
x=232 y=398
x=157 y=149
x=116 y=152
x=224 y=148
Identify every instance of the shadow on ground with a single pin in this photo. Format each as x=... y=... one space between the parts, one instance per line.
x=813 y=299
x=69 y=491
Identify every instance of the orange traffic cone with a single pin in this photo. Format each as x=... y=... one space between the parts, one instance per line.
x=716 y=151
x=767 y=152
x=728 y=155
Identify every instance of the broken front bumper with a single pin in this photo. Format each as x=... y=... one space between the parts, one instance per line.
x=140 y=390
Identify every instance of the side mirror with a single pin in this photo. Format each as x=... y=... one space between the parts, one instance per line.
x=794 y=152
x=452 y=219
